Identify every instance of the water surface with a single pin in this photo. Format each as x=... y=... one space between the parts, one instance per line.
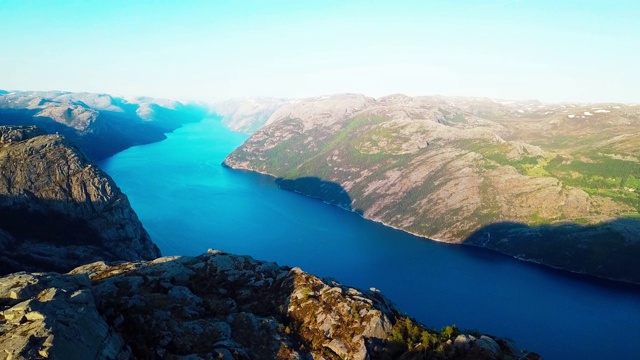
x=188 y=202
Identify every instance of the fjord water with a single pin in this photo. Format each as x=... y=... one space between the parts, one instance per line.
x=188 y=202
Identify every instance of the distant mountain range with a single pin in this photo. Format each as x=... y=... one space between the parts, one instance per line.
x=557 y=184
x=99 y=124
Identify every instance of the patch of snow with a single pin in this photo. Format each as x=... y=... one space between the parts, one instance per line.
x=521 y=111
x=616 y=107
x=571 y=116
x=602 y=111
x=548 y=112
x=587 y=113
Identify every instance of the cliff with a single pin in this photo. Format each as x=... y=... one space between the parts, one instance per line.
x=99 y=124
x=551 y=183
x=216 y=306
x=58 y=210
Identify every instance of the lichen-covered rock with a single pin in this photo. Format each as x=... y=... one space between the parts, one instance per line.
x=215 y=306
x=223 y=306
x=54 y=316
x=58 y=210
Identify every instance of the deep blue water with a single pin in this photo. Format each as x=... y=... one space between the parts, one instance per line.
x=188 y=202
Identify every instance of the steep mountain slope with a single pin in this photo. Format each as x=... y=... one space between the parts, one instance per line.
x=99 y=124
x=58 y=210
x=467 y=170
x=216 y=306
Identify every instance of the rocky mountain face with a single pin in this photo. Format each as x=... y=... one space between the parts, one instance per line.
x=99 y=124
x=58 y=210
x=555 y=184
x=216 y=306
x=247 y=115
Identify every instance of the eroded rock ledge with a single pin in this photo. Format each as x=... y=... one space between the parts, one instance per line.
x=215 y=306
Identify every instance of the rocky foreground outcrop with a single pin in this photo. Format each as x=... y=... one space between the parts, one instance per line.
x=215 y=306
x=58 y=210
x=523 y=178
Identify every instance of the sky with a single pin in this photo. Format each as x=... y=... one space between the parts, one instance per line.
x=553 y=51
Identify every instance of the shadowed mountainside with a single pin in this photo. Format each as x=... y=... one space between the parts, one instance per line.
x=99 y=124
x=443 y=168
x=608 y=250
x=58 y=209
x=326 y=191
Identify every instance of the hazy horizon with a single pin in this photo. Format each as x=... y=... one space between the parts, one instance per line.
x=574 y=51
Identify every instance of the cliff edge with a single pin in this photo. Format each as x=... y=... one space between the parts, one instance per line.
x=216 y=306
x=58 y=210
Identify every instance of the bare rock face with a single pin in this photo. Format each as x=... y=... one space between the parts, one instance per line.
x=54 y=316
x=223 y=306
x=465 y=170
x=59 y=210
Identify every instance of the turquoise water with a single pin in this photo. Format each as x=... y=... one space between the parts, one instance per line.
x=188 y=202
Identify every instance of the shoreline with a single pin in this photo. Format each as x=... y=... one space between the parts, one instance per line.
x=530 y=261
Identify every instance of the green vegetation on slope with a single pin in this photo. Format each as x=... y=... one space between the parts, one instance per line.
x=445 y=171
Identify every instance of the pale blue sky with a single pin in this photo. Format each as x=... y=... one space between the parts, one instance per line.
x=548 y=50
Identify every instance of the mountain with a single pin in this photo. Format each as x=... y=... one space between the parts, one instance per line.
x=99 y=124
x=552 y=183
x=247 y=115
x=58 y=210
x=216 y=306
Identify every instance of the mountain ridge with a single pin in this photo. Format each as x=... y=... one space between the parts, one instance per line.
x=445 y=167
x=99 y=124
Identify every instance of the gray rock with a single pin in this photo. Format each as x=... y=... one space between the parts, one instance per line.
x=487 y=343
x=462 y=342
x=184 y=294
x=62 y=321
x=61 y=209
